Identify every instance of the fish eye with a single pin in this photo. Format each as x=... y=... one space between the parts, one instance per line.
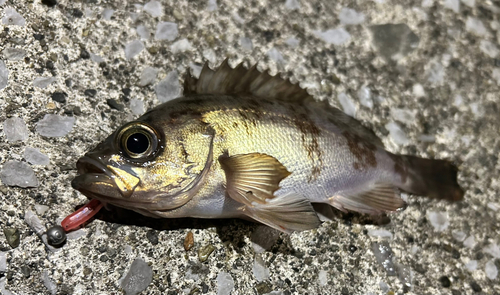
x=138 y=141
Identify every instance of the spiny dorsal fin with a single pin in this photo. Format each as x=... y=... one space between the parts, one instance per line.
x=226 y=80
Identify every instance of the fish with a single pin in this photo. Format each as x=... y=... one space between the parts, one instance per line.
x=241 y=143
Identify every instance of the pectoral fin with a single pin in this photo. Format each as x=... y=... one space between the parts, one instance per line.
x=379 y=198
x=252 y=179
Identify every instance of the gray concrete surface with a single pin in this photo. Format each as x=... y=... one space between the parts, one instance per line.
x=429 y=87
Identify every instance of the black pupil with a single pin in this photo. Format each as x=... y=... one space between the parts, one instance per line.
x=137 y=143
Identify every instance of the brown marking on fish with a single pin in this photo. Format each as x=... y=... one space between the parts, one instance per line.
x=399 y=167
x=362 y=150
x=310 y=133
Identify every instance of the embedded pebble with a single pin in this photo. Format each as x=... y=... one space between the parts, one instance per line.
x=337 y=36
x=383 y=254
x=238 y=18
x=458 y=235
x=166 y=31
x=493 y=250
x=453 y=5
x=475 y=26
x=470 y=242
x=491 y=270
x=489 y=48
x=15 y=129
x=263 y=238
x=12 y=236
x=15 y=173
x=225 y=283
x=154 y=8
x=137 y=106
x=209 y=54
x=439 y=220
x=4 y=291
x=260 y=271
x=323 y=277
x=96 y=58
x=348 y=16
x=383 y=286
x=365 y=97
x=292 y=42
x=35 y=157
x=11 y=53
x=107 y=13
x=3 y=262
x=205 y=251
x=435 y=72
x=4 y=75
x=12 y=18
x=168 y=88
x=41 y=209
x=418 y=90
x=212 y=5
x=381 y=233
x=404 y=115
x=48 y=283
x=138 y=277
x=143 y=32
x=43 y=82
x=34 y=222
x=59 y=97
x=195 y=69
x=112 y=103
x=148 y=76
x=55 y=125
x=275 y=55
x=405 y=275
x=471 y=265
x=189 y=241
x=180 y=46
x=133 y=48
x=397 y=134
x=347 y=104
x=470 y=3
x=393 y=41
x=246 y=43
x=493 y=206
x=292 y=4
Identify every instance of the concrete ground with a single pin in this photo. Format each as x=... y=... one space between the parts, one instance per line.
x=424 y=75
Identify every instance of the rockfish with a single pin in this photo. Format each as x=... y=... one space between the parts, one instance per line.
x=241 y=143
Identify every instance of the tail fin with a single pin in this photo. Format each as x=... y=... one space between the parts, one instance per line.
x=433 y=178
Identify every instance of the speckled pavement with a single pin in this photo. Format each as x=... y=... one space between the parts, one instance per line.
x=428 y=86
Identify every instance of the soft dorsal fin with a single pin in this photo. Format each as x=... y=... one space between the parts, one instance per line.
x=226 y=80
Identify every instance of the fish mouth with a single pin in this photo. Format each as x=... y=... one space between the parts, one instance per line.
x=93 y=178
x=98 y=181
x=92 y=166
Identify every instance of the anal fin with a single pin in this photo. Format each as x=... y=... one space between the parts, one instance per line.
x=287 y=213
x=378 y=199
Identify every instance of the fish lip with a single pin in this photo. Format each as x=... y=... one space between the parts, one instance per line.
x=89 y=168
x=87 y=164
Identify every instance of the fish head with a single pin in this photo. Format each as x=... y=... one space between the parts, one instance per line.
x=148 y=165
